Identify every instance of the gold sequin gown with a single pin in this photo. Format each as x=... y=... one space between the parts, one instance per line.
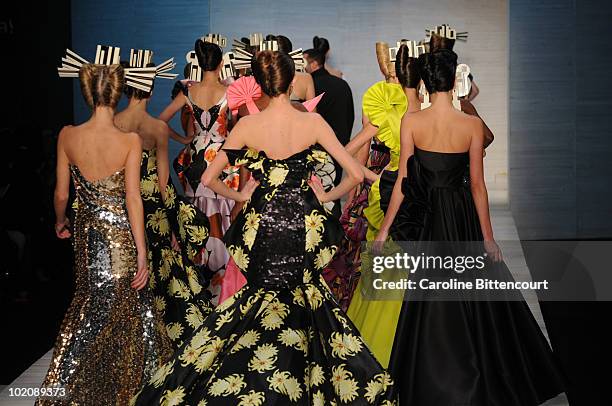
x=111 y=339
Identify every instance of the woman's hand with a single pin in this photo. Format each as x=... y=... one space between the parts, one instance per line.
x=175 y=245
x=235 y=211
x=62 y=229
x=142 y=275
x=493 y=250
x=377 y=244
x=248 y=189
x=318 y=189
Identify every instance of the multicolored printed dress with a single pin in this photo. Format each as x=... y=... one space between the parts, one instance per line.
x=343 y=272
x=177 y=279
x=281 y=339
x=210 y=129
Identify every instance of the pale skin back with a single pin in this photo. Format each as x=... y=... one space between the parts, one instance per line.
x=281 y=131
x=153 y=133
x=99 y=149
x=303 y=86
x=441 y=128
x=205 y=94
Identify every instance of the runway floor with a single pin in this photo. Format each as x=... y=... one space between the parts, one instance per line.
x=504 y=229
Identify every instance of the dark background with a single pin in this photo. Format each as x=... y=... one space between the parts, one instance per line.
x=560 y=145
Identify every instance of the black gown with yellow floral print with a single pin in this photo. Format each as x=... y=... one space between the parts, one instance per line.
x=178 y=283
x=282 y=339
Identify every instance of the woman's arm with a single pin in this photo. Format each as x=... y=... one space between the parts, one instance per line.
x=468 y=108
x=210 y=177
x=309 y=85
x=397 y=196
x=362 y=138
x=479 y=190
x=327 y=139
x=62 y=188
x=163 y=165
x=177 y=103
x=134 y=206
x=474 y=91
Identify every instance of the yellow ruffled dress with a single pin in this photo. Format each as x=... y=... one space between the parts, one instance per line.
x=384 y=104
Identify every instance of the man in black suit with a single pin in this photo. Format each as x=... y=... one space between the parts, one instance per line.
x=336 y=106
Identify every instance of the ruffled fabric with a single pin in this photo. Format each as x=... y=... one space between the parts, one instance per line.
x=243 y=91
x=385 y=104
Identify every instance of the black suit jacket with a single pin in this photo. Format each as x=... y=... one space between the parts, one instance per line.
x=336 y=106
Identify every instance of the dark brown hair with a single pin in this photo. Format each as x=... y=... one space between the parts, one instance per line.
x=209 y=55
x=101 y=85
x=437 y=42
x=406 y=68
x=438 y=70
x=273 y=71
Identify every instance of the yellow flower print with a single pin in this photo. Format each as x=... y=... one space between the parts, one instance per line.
x=173 y=397
x=160 y=375
x=174 y=330
x=344 y=384
x=299 y=298
x=201 y=338
x=151 y=163
x=203 y=402
x=314 y=375
x=178 y=288
x=313 y=239
x=244 y=308
x=251 y=220
x=345 y=345
x=231 y=385
x=192 y=278
x=274 y=314
x=264 y=358
x=240 y=258
x=249 y=237
x=294 y=338
x=314 y=296
x=170 y=197
x=197 y=234
x=252 y=399
x=318 y=399
x=307 y=278
x=282 y=382
x=194 y=316
x=318 y=156
x=160 y=303
x=314 y=221
x=324 y=256
x=256 y=166
x=158 y=222
x=223 y=319
x=340 y=317
x=277 y=175
x=247 y=340
x=251 y=153
x=186 y=212
x=209 y=354
x=377 y=385
x=148 y=187
x=190 y=355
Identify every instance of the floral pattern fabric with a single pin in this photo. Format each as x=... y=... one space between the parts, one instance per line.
x=177 y=281
x=281 y=339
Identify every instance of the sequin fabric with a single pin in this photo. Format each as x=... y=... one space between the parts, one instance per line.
x=281 y=339
x=111 y=338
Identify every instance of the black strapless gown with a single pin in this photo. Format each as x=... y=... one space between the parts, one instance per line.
x=468 y=353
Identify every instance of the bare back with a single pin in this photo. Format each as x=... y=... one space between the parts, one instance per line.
x=151 y=130
x=97 y=151
x=206 y=95
x=281 y=135
x=446 y=130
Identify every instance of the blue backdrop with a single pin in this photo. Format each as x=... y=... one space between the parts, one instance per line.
x=168 y=28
